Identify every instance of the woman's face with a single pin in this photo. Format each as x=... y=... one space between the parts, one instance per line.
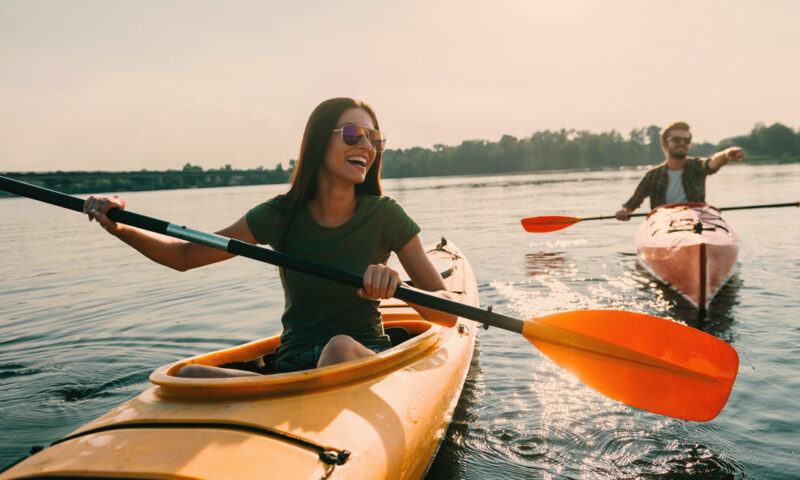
x=349 y=162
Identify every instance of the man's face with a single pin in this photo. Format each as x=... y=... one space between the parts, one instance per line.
x=678 y=143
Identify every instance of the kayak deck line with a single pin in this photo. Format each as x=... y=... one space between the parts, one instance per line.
x=329 y=455
x=444 y=265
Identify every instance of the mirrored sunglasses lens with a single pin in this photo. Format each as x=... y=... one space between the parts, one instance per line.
x=352 y=134
x=378 y=139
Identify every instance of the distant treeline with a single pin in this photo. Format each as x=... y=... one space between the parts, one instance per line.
x=190 y=177
x=544 y=150
x=571 y=149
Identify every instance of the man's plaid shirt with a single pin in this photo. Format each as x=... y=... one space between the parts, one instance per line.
x=654 y=184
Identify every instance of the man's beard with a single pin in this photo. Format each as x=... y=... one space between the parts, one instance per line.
x=678 y=155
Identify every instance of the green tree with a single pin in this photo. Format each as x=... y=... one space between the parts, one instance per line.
x=654 y=152
x=776 y=140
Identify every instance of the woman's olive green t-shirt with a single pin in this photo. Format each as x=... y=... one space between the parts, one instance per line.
x=317 y=309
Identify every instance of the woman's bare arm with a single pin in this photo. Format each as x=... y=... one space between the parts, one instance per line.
x=171 y=252
x=425 y=277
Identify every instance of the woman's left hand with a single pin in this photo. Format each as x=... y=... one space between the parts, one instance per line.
x=380 y=281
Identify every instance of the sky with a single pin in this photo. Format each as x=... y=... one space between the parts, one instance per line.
x=121 y=85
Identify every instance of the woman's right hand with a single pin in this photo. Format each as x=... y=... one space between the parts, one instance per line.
x=380 y=282
x=97 y=206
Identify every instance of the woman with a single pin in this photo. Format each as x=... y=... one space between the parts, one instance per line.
x=333 y=213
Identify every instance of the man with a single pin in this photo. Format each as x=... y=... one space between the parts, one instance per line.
x=680 y=178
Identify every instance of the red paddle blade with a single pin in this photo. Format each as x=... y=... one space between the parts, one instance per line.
x=644 y=361
x=547 y=224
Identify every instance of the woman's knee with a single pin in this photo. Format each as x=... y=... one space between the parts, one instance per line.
x=342 y=348
x=341 y=343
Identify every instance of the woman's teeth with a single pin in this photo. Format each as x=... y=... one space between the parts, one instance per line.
x=357 y=161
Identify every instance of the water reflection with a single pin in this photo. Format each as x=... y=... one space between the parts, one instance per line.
x=503 y=182
x=538 y=422
x=542 y=263
x=718 y=318
x=715 y=320
x=450 y=462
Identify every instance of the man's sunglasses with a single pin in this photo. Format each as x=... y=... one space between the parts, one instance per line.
x=686 y=140
x=352 y=135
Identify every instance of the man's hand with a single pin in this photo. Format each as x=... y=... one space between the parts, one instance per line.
x=623 y=214
x=730 y=154
x=733 y=154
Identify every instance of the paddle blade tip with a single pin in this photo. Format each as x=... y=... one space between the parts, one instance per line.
x=646 y=362
x=547 y=223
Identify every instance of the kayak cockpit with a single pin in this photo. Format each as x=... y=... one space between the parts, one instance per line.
x=422 y=338
x=412 y=338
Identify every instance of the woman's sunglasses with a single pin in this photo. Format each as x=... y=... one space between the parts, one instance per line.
x=352 y=135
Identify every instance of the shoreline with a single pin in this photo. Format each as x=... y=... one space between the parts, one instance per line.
x=76 y=182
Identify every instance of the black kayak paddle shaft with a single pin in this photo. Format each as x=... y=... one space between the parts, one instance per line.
x=743 y=207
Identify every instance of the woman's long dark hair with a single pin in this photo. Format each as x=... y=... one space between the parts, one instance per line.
x=312 y=155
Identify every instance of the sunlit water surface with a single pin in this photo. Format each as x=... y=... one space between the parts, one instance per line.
x=84 y=320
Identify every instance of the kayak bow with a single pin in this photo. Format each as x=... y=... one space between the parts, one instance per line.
x=689 y=247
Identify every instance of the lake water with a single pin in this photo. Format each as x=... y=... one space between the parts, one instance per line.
x=84 y=320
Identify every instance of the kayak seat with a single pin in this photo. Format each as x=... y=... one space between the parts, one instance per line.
x=397 y=335
x=398 y=332
x=264 y=365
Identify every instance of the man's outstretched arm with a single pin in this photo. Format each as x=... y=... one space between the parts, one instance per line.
x=719 y=159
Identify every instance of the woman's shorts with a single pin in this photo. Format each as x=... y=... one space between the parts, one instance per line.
x=309 y=359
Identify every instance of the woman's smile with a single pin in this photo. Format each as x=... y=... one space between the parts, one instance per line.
x=359 y=160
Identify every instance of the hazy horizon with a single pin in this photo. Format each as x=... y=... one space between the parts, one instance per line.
x=124 y=86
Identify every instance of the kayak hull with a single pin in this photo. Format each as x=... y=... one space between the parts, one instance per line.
x=379 y=417
x=689 y=247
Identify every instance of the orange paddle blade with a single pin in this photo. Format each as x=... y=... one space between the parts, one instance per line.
x=547 y=224
x=644 y=361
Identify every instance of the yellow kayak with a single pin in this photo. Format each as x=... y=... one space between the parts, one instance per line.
x=379 y=417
